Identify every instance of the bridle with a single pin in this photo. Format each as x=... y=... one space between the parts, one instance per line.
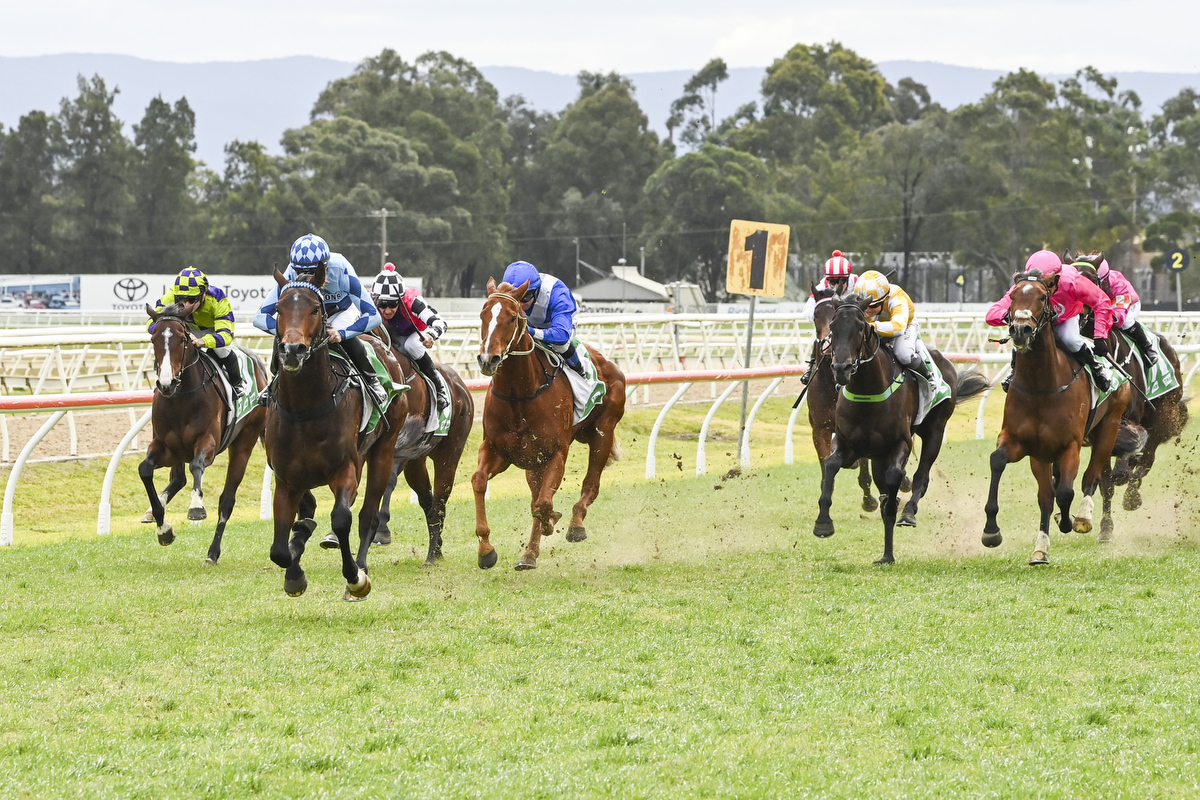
x=521 y=326
x=1047 y=315
x=871 y=334
x=322 y=338
x=187 y=342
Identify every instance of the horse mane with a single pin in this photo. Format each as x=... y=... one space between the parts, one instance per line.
x=1095 y=259
x=174 y=310
x=824 y=294
x=859 y=299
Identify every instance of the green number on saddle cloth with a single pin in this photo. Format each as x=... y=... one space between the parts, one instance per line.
x=1160 y=378
x=249 y=399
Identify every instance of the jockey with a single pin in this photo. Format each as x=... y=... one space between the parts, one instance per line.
x=349 y=311
x=211 y=321
x=1126 y=308
x=1073 y=293
x=895 y=320
x=549 y=308
x=412 y=323
x=839 y=276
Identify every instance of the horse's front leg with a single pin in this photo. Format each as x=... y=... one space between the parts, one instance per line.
x=1047 y=491
x=155 y=455
x=1064 y=493
x=490 y=465
x=824 y=524
x=869 y=503
x=239 y=457
x=1006 y=452
x=889 y=474
x=176 y=482
x=543 y=483
x=345 y=488
x=383 y=533
x=206 y=451
x=379 y=473
x=286 y=501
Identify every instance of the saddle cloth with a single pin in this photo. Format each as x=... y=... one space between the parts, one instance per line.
x=586 y=392
x=1115 y=380
x=372 y=413
x=235 y=413
x=929 y=394
x=437 y=423
x=1160 y=378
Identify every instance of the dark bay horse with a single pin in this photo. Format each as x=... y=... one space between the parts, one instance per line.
x=528 y=420
x=312 y=438
x=823 y=395
x=188 y=416
x=1162 y=418
x=415 y=448
x=876 y=421
x=1048 y=417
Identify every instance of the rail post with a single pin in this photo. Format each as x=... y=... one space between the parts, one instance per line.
x=104 y=516
x=10 y=489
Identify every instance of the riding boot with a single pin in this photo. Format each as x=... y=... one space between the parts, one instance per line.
x=425 y=365
x=1012 y=370
x=230 y=364
x=808 y=371
x=572 y=359
x=1088 y=356
x=1141 y=337
x=357 y=350
x=919 y=366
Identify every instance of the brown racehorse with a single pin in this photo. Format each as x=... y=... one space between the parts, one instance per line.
x=1047 y=412
x=414 y=448
x=876 y=420
x=188 y=416
x=823 y=395
x=312 y=437
x=1163 y=418
x=528 y=420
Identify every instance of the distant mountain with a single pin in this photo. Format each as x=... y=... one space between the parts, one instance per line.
x=259 y=100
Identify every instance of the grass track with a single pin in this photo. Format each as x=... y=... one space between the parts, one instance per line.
x=700 y=643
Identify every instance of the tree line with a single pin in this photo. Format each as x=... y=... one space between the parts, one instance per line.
x=470 y=180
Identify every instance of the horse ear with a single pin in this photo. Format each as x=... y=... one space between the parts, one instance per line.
x=491 y=286
x=812 y=288
x=519 y=292
x=1016 y=277
x=150 y=312
x=1051 y=282
x=282 y=281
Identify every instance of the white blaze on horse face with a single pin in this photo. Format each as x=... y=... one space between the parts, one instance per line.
x=164 y=370
x=1023 y=313
x=487 y=340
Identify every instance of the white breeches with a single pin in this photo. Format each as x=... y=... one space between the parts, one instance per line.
x=1131 y=316
x=1068 y=333
x=907 y=344
x=221 y=352
x=412 y=346
x=343 y=319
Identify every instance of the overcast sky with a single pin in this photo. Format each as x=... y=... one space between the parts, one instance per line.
x=623 y=35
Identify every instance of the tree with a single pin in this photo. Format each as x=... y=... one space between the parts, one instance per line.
x=696 y=109
x=28 y=208
x=162 y=226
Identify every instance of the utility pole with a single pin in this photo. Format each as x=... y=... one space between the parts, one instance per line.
x=383 y=215
x=622 y=239
x=642 y=270
x=576 y=241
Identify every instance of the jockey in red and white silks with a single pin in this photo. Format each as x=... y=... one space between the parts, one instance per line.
x=839 y=275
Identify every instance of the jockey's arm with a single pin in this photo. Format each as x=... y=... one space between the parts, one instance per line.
x=222 y=314
x=264 y=320
x=999 y=310
x=436 y=326
x=1095 y=298
x=159 y=304
x=561 y=325
x=810 y=308
x=898 y=318
x=370 y=319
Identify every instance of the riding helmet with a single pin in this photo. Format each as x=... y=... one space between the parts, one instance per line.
x=873 y=284
x=518 y=272
x=388 y=284
x=309 y=250
x=838 y=266
x=1046 y=262
x=191 y=282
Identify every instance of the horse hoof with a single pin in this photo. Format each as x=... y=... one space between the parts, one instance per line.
x=488 y=560
x=992 y=539
x=907 y=520
x=360 y=591
x=382 y=538
x=197 y=514
x=823 y=530
x=1039 y=558
x=1082 y=525
x=879 y=562
x=869 y=503
x=906 y=485
x=523 y=565
x=555 y=516
x=1132 y=501
x=166 y=535
x=210 y=562
x=295 y=588
x=149 y=516
x=330 y=542
x=577 y=533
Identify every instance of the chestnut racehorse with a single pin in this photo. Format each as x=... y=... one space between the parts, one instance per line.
x=1048 y=417
x=312 y=437
x=528 y=420
x=188 y=416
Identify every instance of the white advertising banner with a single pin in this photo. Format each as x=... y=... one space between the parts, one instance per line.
x=125 y=292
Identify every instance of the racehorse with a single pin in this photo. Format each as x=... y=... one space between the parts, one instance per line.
x=188 y=422
x=414 y=447
x=1048 y=416
x=875 y=416
x=312 y=437
x=823 y=394
x=528 y=420
x=1163 y=418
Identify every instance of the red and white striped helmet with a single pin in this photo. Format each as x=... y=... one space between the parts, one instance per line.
x=838 y=266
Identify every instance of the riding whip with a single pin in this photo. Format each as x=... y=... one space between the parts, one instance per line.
x=1127 y=377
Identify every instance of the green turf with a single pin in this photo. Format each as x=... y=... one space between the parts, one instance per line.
x=701 y=642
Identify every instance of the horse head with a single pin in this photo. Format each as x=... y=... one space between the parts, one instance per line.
x=1088 y=266
x=502 y=321
x=850 y=336
x=171 y=341
x=1031 y=308
x=300 y=318
x=823 y=311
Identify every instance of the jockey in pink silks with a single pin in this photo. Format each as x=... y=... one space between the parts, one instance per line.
x=1074 y=292
x=839 y=275
x=1127 y=307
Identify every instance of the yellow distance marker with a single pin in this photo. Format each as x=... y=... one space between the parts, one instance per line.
x=758 y=256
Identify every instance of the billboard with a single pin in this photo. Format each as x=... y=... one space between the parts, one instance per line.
x=131 y=292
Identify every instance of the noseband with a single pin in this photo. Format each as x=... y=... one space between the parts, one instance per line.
x=1047 y=315
x=323 y=336
x=187 y=342
x=522 y=324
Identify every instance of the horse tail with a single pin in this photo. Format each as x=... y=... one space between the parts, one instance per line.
x=971 y=383
x=1130 y=439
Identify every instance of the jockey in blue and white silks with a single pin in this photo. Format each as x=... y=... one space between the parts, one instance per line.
x=348 y=307
x=550 y=308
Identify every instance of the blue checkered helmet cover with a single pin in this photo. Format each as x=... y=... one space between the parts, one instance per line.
x=309 y=250
x=190 y=282
x=518 y=272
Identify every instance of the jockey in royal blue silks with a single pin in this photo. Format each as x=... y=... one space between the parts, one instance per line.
x=550 y=308
x=348 y=307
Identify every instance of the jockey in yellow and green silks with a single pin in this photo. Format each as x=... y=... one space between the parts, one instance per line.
x=213 y=317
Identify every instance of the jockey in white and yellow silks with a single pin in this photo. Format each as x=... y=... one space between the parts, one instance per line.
x=895 y=321
x=210 y=323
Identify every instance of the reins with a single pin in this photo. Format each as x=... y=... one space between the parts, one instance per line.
x=523 y=327
x=187 y=342
x=340 y=392
x=1048 y=315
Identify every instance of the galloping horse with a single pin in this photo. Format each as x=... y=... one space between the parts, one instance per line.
x=528 y=420
x=414 y=447
x=312 y=437
x=875 y=416
x=823 y=395
x=1163 y=418
x=1048 y=415
x=189 y=421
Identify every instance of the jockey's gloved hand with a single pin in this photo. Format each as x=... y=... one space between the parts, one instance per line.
x=1100 y=346
x=537 y=333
